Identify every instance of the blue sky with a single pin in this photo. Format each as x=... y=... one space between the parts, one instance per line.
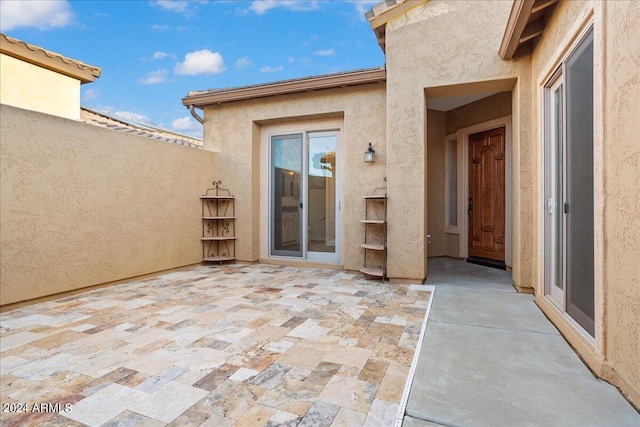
x=152 y=53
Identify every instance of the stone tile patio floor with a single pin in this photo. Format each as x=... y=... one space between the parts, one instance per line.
x=238 y=345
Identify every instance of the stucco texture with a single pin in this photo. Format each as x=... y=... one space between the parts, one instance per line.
x=463 y=39
x=436 y=169
x=621 y=214
x=239 y=132
x=617 y=176
x=35 y=88
x=82 y=205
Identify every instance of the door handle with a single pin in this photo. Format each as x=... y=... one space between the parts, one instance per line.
x=300 y=205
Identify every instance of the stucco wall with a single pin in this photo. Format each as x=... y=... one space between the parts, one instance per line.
x=622 y=190
x=239 y=132
x=617 y=178
x=482 y=110
x=35 y=88
x=436 y=167
x=452 y=245
x=476 y=29
x=82 y=205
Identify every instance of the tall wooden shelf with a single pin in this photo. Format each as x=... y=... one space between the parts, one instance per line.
x=218 y=224
x=375 y=234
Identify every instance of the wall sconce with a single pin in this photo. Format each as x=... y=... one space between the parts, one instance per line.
x=369 y=155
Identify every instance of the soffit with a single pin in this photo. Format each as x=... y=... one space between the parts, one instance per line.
x=283 y=87
x=452 y=102
x=525 y=26
x=49 y=60
x=384 y=12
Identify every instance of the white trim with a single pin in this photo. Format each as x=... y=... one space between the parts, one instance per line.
x=412 y=370
x=463 y=184
x=550 y=178
x=331 y=258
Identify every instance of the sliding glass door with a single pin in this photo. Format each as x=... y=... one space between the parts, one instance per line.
x=286 y=203
x=569 y=187
x=304 y=196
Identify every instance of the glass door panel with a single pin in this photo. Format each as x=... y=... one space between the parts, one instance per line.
x=321 y=194
x=286 y=195
x=321 y=215
x=554 y=194
x=569 y=188
x=579 y=186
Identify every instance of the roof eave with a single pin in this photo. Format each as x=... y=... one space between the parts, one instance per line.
x=49 y=60
x=394 y=8
x=286 y=87
x=527 y=22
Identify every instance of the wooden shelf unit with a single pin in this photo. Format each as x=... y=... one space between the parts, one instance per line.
x=375 y=234
x=218 y=224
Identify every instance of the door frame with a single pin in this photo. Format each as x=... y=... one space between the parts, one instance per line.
x=549 y=304
x=316 y=257
x=553 y=156
x=463 y=185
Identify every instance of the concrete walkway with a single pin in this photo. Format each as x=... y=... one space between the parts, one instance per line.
x=491 y=358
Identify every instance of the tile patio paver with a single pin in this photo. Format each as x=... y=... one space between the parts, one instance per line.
x=237 y=345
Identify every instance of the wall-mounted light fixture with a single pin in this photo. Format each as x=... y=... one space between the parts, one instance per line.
x=369 y=155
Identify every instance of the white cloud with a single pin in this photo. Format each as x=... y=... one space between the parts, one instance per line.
x=40 y=14
x=200 y=62
x=159 y=27
x=185 y=124
x=172 y=5
x=291 y=60
x=268 y=69
x=90 y=95
x=186 y=7
x=154 y=77
x=133 y=117
x=262 y=6
x=162 y=55
x=325 y=52
x=243 y=63
x=363 y=6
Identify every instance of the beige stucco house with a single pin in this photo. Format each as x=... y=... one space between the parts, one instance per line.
x=507 y=133
x=40 y=80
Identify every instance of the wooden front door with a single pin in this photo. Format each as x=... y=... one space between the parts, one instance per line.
x=487 y=194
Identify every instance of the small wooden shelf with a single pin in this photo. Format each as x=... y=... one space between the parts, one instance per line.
x=373 y=246
x=373 y=221
x=217 y=197
x=219 y=258
x=375 y=234
x=376 y=272
x=218 y=224
x=218 y=238
x=218 y=217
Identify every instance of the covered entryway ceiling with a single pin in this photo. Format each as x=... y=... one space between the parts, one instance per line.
x=449 y=103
